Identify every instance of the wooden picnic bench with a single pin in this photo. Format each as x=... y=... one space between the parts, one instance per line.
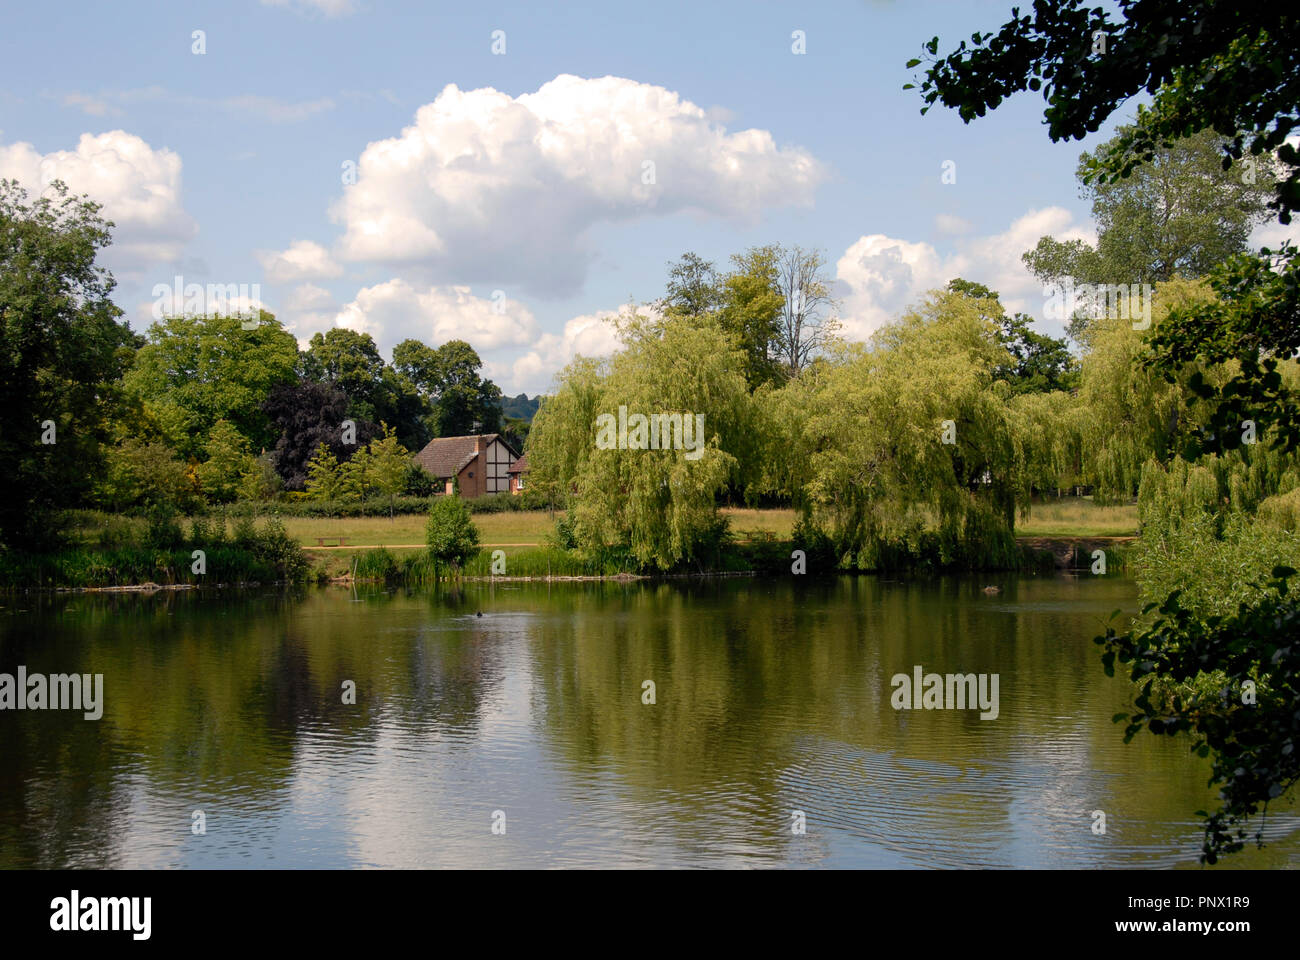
x=342 y=542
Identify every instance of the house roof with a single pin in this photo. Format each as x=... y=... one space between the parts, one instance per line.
x=520 y=465
x=447 y=456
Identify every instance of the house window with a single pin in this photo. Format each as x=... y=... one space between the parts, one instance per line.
x=471 y=473
x=519 y=484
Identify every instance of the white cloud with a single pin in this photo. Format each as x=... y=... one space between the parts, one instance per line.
x=589 y=335
x=393 y=311
x=947 y=223
x=306 y=310
x=138 y=186
x=884 y=275
x=91 y=105
x=485 y=187
x=1272 y=234
x=304 y=260
x=309 y=297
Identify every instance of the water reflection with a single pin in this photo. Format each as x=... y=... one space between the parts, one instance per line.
x=771 y=697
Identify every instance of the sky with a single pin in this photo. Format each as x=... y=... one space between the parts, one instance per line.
x=513 y=175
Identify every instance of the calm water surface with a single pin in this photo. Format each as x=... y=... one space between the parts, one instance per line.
x=771 y=697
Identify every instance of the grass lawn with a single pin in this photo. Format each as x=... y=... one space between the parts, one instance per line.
x=513 y=532
x=1078 y=517
x=495 y=528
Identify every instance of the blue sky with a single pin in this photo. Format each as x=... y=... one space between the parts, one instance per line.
x=517 y=219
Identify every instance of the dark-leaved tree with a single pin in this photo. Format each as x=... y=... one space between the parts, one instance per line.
x=308 y=415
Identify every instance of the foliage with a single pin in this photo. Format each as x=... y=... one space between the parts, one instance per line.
x=196 y=370
x=163 y=554
x=139 y=474
x=388 y=465
x=1179 y=215
x=659 y=503
x=751 y=311
x=562 y=439
x=448 y=379
x=228 y=460
x=64 y=349
x=1249 y=724
x=376 y=392
x=308 y=415
x=324 y=475
x=860 y=441
x=451 y=535
x=692 y=289
x=1253 y=325
x=1039 y=363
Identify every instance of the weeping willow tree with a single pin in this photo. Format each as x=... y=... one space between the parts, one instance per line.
x=561 y=440
x=909 y=444
x=1125 y=412
x=637 y=449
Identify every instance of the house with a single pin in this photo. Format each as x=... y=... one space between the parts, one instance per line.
x=479 y=464
x=518 y=471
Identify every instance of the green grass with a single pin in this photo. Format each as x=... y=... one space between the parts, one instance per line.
x=1078 y=517
x=524 y=528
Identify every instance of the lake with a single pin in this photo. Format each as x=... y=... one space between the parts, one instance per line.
x=522 y=737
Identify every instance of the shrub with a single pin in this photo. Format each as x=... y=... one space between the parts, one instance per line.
x=450 y=533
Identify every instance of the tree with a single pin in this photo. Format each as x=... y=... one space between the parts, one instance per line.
x=389 y=462
x=561 y=439
x=804 y=327
x=448 y=378
x=1179 y=215
x=655 y=496
x=228 y=459
x=1232 y=69
x=324 y=475
x=357 y=475
x=751 y=311
x=307 y=415
x=259 y=481
x=1039 y=363
x=194 y=371
x=882 y=440
x=692 y=289
x=65 y=348
x=450 y=532
x=142 y=474
x=351 y=361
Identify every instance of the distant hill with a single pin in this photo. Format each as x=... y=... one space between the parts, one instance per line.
x=520 y=407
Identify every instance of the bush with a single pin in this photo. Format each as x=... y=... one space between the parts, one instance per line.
x=163 y=531
x=818 y=548
x=419 y=482
x=451 y=534
x=376 y=564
